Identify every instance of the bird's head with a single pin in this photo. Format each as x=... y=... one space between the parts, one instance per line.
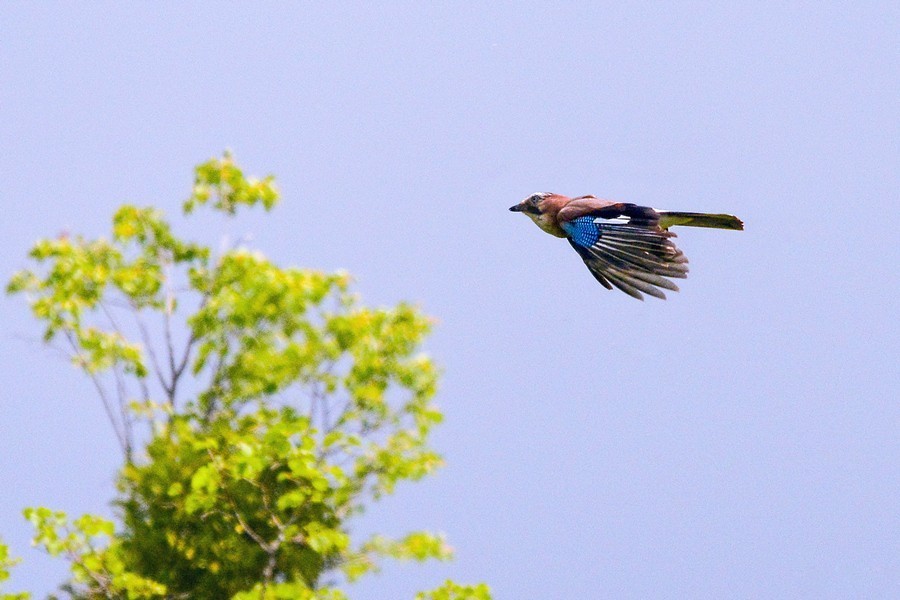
x=532 y=204
x=541 y=208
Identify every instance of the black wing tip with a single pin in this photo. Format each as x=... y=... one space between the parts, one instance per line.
x=635 y=260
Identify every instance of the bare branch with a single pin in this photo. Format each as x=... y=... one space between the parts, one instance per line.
x=319 y=399
x=121 y=386
x=218 y=375
x=176 y=368
x=185 y=358
x=112 y=318
x=168 y=309
x=182 y=364
x=122 y=393
x=107 y=405
x=148 y=344
x=145 y=391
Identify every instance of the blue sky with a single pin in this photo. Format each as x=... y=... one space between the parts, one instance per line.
x=737 y=440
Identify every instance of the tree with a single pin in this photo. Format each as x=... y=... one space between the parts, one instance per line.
x=258 y=409
x=6 y=563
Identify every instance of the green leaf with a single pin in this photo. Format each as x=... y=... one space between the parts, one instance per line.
x=6 y=563
x=455 y=591
x=222 y=181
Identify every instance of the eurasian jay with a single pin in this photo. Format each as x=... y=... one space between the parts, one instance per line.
x=623 y=245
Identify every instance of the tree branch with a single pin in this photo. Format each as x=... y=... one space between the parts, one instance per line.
x=121 y=387
x=107 y=405
x=148 y=344
x=122 y=393
x=167 y=328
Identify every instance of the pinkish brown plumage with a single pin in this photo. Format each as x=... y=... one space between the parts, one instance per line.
x=623 y=245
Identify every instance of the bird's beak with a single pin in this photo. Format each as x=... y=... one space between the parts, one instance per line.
x=517 y=208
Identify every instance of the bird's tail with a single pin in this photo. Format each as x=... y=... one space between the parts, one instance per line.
x=669 y=218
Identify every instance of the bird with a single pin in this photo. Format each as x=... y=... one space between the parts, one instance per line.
x=624 y=245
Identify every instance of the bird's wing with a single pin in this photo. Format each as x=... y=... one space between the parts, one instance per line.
x=622 y=212
x=632 y=257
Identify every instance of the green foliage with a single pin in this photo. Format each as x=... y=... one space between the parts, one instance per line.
x=419 y=546
x=6 y=563
x=222 y=181
x=275 y=406
x=454 y=591
x=96 y=559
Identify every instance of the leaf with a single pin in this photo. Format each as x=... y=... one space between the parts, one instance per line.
x=455 y=591
x=221 y=180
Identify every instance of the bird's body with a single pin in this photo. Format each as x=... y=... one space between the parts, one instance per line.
x=623 y=245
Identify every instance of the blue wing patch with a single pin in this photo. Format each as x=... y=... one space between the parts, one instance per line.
x=634 y=258
x=582 y=231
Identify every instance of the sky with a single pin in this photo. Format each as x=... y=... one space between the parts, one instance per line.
x=739 y=440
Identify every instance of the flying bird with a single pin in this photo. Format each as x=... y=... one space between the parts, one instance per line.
x=623 y=245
